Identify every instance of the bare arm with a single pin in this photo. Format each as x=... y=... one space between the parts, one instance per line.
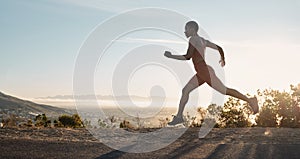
x=217 y=47
x=187 y=56
x=177 y=57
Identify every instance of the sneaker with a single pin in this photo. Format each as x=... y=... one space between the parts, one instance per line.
x=254 y=105
x=176 y=120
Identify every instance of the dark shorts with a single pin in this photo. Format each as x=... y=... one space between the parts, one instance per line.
x=205 y=73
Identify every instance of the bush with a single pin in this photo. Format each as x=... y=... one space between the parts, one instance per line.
x=280 y=108
x=87 y=123
x=10 y=121
x=42 y=120
x=267 y=117
x=73 y=121
x=126 y=124
x=234 y=114
x=29 y=123
x=163 y=122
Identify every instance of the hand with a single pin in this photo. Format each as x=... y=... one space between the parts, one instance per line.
x=168 y=54
x=222 y=63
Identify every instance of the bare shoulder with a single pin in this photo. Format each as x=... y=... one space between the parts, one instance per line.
x=194 y=40
x=203 y=39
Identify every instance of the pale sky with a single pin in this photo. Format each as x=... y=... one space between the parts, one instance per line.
x=40 y=41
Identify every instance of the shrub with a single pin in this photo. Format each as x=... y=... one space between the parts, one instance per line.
x=10 y=121
x=234 y=114
x=73 y=121
x=42 y=120
x=126 y=124
x=280 y=108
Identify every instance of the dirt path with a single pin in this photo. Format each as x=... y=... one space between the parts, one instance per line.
x=220 y=143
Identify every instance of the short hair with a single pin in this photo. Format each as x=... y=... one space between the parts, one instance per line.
x=193 y=25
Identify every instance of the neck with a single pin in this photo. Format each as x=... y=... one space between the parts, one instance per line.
x=194 y=34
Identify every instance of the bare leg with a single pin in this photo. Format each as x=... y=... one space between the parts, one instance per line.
x=217 y=84
x=236 y=94
x=188 y=88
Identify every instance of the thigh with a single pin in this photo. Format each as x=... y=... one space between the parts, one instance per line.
x=215 y=82
x=193 y=83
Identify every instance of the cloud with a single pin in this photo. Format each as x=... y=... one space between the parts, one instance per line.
x=259 y=43
x=104 y=5
x=149 y=40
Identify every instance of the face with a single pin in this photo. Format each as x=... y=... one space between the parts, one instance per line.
x=188 y=31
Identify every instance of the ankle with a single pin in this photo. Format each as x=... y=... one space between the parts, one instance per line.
x=179 y=115
x=249 y=100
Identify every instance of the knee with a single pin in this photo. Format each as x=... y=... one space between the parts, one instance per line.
x=224 y=91
x=228 y=91
x=185 y=91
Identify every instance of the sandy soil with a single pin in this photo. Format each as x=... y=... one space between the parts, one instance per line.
x=220 y=143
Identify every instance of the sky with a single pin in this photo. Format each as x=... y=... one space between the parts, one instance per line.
x=40 y=41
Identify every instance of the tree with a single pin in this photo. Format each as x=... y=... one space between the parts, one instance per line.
x=267 y=116
x=296 y=102
x=280 y=108
x=287 y=110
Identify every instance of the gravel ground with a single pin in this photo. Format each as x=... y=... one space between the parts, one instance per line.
x=220 y=143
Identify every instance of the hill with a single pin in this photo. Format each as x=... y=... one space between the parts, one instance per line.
x=24 y=108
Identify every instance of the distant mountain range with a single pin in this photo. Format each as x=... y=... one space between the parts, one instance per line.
x=20 y=107
x=104 y=97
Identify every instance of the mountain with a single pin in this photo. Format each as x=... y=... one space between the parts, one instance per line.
x=24 y=108
x=103 y=97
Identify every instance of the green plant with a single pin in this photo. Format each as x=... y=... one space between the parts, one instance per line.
x=42 y=120
x=73 y=121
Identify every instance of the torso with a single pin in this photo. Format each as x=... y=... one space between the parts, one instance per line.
x=198 y=56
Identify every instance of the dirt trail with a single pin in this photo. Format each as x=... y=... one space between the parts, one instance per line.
x=220 y=143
